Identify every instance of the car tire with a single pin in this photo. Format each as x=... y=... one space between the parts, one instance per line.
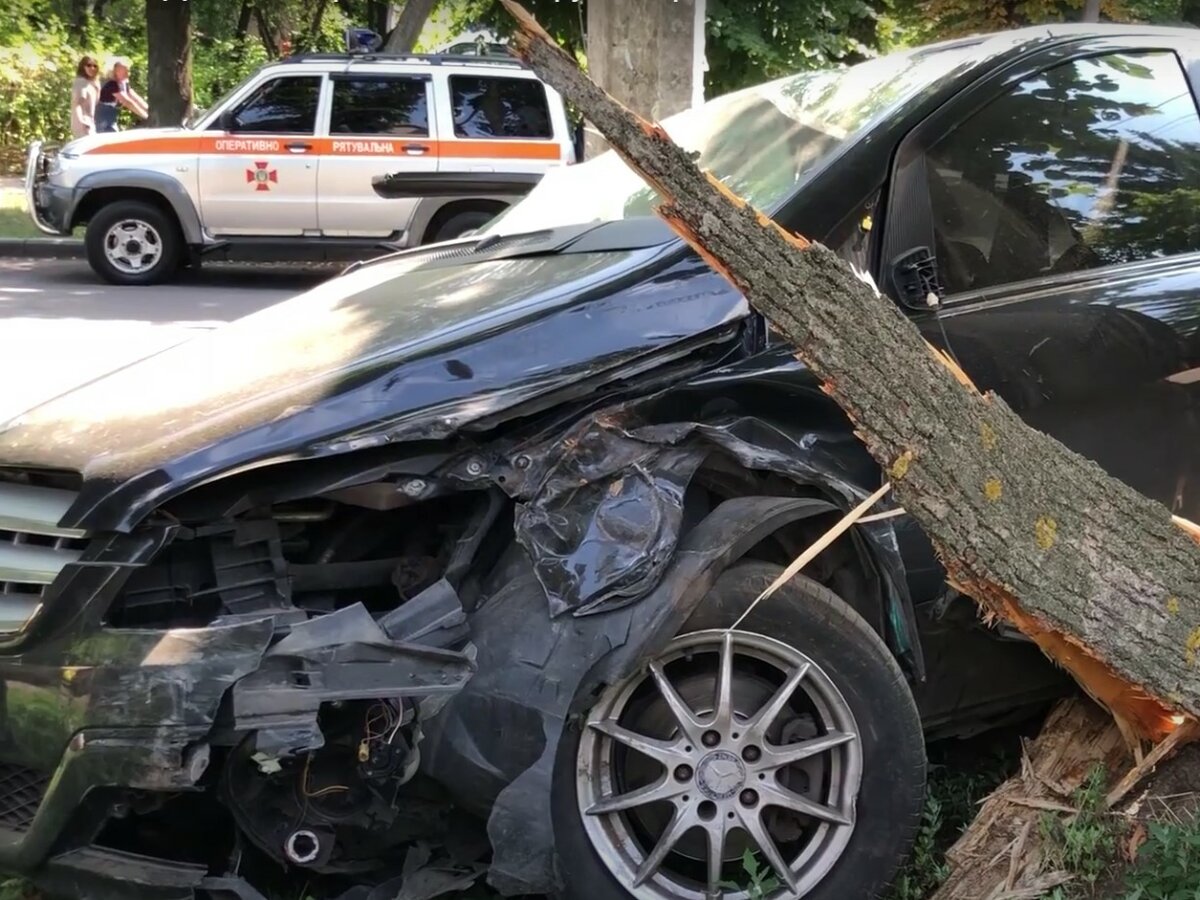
x=459 y=224
x=820 y=626
x=133 y=242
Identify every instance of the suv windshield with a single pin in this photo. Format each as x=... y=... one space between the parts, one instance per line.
x=761 y=141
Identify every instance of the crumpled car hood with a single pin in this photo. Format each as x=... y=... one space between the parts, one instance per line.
x=377 y=345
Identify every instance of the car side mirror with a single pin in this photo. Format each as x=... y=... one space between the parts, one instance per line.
x=914 y=277
x=228 y=121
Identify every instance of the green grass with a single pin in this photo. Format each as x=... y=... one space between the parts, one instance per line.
x=1085 y=843
x=17 y=889
x=15 y=223
x=1168 y=864
x=960 y=775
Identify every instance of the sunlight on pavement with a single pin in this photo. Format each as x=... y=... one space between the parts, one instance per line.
x=44 y=357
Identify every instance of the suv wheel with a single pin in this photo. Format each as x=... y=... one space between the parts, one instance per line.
x=132 y=242
x=459 y=224
x=794 y=737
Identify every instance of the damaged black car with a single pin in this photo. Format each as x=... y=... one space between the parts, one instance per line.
x=437 y=572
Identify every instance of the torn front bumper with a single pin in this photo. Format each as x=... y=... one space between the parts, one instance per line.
x=85 y=708
x=92 y=717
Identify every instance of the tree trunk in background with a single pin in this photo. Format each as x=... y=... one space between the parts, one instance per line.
x=314 y=29
x=378 y=12
x=412 y=19
x=169 y=38
x=1190 y=12
x=647 y=54
x=1091 y=11
x=265 y=34
x=243 y=22
x=81 y=15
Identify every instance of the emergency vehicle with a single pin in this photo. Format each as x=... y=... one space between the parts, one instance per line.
x=334 y=156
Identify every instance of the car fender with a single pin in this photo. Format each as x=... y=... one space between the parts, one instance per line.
x=170 y=188
x=536 y=671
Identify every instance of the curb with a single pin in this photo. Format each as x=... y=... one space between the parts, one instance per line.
x=42 y=248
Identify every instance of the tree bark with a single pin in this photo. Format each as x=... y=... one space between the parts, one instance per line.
x=243 y=22
x=265 y=34
x=412 y=19
x=314 y=30
x=81 y=16
x=1091 y=11
x=647 y=55
x=169 y=37
x=1098 y=575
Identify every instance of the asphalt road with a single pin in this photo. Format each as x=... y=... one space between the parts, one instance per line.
x=60 y=325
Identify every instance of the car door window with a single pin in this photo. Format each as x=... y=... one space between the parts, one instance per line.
x=488 y=107
x=1092 y=163
x=392 y=106
x=281 y=106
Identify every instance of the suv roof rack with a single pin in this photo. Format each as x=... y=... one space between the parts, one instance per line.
x=434 y=59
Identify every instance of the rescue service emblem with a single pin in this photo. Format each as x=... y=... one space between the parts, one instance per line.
x=262 y=177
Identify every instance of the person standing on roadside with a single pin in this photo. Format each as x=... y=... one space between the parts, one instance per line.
x=116 y=93
x=85 y=92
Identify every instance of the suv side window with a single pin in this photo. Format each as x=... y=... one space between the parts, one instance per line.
x=280 y=106
x=1092 y=163
x=380 y=105
x=489 y=107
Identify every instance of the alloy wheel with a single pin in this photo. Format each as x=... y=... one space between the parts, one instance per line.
x=731 y=741
x=133 y=246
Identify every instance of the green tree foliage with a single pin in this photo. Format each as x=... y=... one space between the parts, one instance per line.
x=925 y=20
x=40 y=47
x=746 y=41
x=566 y=22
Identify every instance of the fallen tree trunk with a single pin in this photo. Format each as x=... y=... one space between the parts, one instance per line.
x=1094 y=572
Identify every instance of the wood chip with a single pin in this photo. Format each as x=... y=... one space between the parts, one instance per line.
x=1035 y=803
x=1136 y=838
x=1037 y=888
x=1187 y=732
x=1014 y=861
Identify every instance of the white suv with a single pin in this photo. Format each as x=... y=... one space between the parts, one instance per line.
x=331 y=155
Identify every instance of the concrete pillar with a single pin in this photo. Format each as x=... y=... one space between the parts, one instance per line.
x=649 y=54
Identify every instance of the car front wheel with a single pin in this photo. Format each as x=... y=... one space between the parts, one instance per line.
x=131 y=242
x=792 y=737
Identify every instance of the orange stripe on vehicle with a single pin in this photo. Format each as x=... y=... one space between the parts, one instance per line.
x=173 y=144
x=501 y=149
x=226 y=145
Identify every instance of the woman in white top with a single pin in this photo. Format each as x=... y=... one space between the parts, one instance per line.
x=84 y=94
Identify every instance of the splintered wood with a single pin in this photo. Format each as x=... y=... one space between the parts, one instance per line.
x=1002 y=856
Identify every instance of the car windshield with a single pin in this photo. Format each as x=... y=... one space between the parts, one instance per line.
x=761 y=142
